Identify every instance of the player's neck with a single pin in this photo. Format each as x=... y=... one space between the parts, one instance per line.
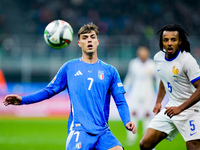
x=91 y=59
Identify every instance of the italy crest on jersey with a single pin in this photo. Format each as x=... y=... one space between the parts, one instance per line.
x=100 y=74
x=78 y=145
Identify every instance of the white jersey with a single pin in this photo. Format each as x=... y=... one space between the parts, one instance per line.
x=177 y=75
x=140 y=84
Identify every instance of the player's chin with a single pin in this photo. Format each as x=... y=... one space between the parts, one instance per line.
x=90 y=52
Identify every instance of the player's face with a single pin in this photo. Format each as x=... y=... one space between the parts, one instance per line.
x=143 y=54
x=88 y=42
x=171 y=43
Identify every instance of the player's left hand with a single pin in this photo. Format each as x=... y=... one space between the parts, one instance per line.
x=131 y=127
x=171 y=111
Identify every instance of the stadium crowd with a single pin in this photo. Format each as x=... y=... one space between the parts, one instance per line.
x=114 y=17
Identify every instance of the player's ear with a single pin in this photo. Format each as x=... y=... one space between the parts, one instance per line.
x=79 y=44
x=98 y=43
x=180 y=42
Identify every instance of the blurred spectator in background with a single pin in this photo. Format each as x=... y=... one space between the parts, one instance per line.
x=140 y=84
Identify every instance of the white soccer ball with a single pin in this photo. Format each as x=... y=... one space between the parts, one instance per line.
x=58 y=34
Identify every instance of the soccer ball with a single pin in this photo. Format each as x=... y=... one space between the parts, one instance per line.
x=58 y=34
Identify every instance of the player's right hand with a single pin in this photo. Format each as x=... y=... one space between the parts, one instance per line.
x=157 y=108
x=131 y=127
x=12 y=100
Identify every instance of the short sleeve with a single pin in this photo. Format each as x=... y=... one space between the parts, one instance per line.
x=192 y=68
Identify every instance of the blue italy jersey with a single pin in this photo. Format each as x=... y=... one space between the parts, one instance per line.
x=90 y=87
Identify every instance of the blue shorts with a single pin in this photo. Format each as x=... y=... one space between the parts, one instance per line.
x=78 y=139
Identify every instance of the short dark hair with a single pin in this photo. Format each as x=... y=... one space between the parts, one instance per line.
x=87 y=29
x=185 y=45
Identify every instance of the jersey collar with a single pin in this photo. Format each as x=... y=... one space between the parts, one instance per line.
x=174 y=57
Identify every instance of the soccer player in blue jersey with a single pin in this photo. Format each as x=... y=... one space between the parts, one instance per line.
x=180 y=80
x=90 y=83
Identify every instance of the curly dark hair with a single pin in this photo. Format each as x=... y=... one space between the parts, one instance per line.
x=185 y=45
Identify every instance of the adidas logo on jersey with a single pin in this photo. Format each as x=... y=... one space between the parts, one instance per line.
x=78 y=73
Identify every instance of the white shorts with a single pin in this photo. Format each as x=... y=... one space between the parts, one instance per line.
x=187 y=123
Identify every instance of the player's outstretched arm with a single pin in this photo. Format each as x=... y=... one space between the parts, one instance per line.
x=12 y=100
x=131 y=127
